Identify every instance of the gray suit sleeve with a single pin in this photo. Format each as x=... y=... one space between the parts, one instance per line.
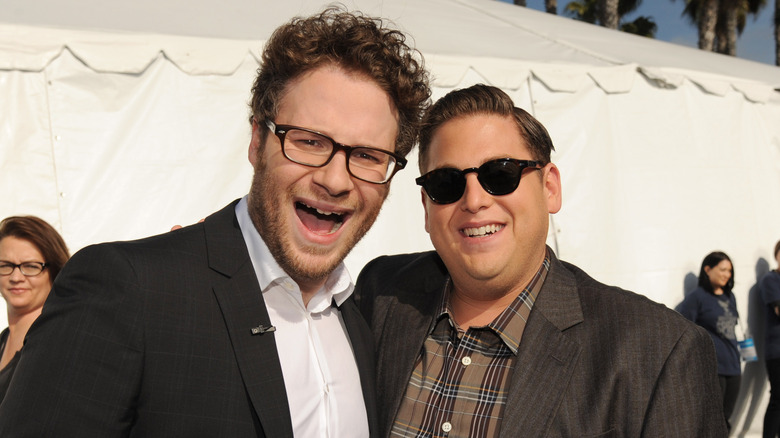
x=686 y=400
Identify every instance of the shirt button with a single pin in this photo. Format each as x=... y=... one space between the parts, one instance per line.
x=466 y=361
x=446 y=427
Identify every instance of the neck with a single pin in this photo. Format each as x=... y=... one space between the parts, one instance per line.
x=309 y=288
x=19 y=323
x=478 y=310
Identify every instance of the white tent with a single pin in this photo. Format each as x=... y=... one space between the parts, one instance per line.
x=119 y=120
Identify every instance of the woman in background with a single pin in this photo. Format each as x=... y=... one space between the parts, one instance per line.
x=712 y=305
x=31 y=255
x=770 y=293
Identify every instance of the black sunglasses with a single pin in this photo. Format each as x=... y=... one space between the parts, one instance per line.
x=497 y=177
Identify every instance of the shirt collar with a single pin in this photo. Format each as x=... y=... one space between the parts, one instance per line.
x=510 y=324
x=338 y=287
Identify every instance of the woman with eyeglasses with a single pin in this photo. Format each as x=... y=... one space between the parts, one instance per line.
x=31 y=255
x=713 y=306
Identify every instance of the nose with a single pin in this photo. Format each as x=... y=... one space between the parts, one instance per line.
x=475 y=197
x=333 y=177
x=16 y=275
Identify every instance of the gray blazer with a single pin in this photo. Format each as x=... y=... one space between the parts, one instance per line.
x=594 y=361
x=152 y=338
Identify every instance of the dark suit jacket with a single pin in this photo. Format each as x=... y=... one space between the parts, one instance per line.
x=151 y=338
x=594 y=360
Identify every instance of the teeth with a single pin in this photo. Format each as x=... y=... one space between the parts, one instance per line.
x=322 y=212
x=326 y=213
x=482 y=231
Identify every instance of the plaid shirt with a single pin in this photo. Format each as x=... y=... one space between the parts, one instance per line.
x=458 y=386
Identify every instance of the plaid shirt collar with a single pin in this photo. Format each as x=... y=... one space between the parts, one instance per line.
x=510 y=324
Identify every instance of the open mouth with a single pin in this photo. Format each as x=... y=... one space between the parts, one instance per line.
x=482 y=231
x=319 y=221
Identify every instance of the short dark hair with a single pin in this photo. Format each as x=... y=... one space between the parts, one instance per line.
x=45 y=238
x=483 y=99
x=355 y=43
x=712 y=260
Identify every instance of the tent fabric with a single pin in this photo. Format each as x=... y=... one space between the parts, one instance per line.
x=666 y=153
x=476 y=33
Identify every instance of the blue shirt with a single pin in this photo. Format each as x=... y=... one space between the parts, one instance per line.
x=718 y=315
x=770 y=293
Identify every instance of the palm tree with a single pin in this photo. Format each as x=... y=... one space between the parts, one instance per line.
x=643 y=26
x=550 y=6
x=589 y=11
x=720 y=21
x=583 y=10
x=608 y=13
x=777 y=32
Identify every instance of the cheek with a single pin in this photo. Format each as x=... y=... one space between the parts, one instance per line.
x=42 y=284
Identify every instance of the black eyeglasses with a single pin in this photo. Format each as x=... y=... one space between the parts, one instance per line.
x=310 y=148
x=497 y=177
x=28 y=269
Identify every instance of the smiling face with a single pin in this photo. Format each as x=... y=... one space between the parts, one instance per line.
x=491 y=244
x=719 y=275
x=22 y=294
x=310 y=218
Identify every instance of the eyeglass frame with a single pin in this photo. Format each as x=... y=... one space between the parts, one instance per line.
x=281 y=131
x=523 y=164
x=14 y=266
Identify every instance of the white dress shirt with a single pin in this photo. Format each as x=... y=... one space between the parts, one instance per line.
x=318 y=364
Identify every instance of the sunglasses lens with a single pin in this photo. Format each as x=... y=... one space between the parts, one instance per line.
x=445 y=186
x=500 y=177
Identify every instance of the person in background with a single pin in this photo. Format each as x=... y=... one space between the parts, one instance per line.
x=32 y=253
x=713 y=306
x=242 y=325
x=491 y=335
x=769 y=287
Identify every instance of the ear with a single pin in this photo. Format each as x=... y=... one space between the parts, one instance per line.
x=707 y=270
x=552 y=188
x=424 y=199
x=254 y=144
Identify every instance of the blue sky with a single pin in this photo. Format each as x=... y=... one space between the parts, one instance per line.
x=755 y=43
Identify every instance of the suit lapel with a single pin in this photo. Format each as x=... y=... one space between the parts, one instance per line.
x=403 y=332
x=546 y=359
x=243 y=308
x=363 y=346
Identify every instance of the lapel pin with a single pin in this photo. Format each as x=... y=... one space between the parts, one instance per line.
x=259 y=330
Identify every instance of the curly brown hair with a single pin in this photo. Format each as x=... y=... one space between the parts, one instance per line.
x=483 y=99
x=356 y=43
x=42 y=235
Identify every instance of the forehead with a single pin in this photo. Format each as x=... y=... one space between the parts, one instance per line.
x=469 y=141
x=15 y=249
x=347 y=106
x=724 y=263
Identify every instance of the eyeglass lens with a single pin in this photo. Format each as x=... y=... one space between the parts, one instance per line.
x=28 y=269
x=312 y=149
x=497 y=177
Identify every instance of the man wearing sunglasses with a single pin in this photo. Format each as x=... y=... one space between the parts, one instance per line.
x=491 y=335
x=241 y=326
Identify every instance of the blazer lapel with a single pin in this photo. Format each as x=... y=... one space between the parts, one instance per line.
x=363 y=346
x=546 y=359
x=243 y=308
x=403 y=333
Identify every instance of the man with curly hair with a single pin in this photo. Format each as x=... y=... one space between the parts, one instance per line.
x=241 y=326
